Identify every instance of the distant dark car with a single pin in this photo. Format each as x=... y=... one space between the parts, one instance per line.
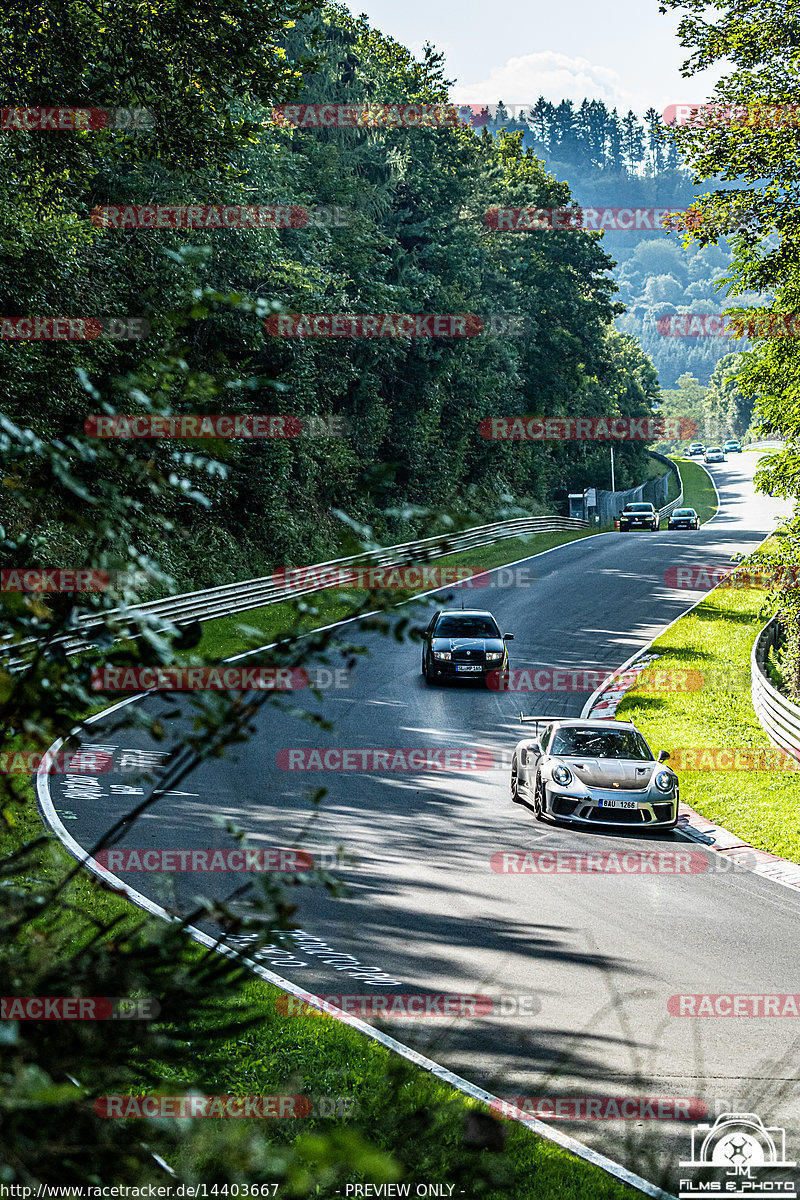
x=732 y=447
x=638 y=516
x=463 y=644
x=684 y=518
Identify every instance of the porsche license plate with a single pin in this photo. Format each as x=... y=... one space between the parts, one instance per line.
x=617 y=804
x=468 y=667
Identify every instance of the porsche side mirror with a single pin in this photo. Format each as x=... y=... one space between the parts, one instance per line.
x=663 y=756
x=508 y=637
x=531 y=748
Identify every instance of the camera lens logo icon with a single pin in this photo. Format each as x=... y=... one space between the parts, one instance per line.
x=740 y=1141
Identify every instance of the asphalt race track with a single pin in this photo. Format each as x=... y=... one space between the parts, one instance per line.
x=596 y=955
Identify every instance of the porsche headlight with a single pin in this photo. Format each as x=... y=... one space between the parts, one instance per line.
x=663 y=781
x=442 y=654
x=491 y=655
x=562 y=775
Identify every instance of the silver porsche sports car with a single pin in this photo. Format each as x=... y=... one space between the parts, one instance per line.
x=593 y=772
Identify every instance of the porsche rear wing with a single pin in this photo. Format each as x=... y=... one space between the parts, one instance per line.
x=537 y=721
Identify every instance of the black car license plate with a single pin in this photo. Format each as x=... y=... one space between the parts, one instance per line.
x=467 y=667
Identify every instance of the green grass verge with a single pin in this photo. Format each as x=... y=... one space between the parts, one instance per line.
x=224 y=636
x=698 y=490
x=404 y=1111
x=716 y=638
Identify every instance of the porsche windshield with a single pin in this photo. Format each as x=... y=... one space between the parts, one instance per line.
x=600 y=743
x=458 y=626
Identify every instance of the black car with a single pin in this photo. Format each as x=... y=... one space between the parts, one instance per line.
x=638 y=516
x=463 y=644
x=684 y=518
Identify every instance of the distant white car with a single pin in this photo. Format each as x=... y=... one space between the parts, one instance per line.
x=715 y=454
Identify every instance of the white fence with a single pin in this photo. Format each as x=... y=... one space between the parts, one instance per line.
x=779 y=717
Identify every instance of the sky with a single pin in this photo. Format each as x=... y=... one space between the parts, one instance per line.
x=621 y=51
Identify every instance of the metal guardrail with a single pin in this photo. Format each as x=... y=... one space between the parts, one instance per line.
x=778 y=716
x=256 y=593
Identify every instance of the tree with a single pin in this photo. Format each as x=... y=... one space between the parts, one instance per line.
x=728 y=409
x=632 y=140
x=655 y=145
x=749 y=141
x=541 y=116
x=615 y=149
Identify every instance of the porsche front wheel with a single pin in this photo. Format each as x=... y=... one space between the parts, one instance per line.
x=538 y=799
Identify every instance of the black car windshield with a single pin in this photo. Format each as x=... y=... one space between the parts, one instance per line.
x=458 y=626
x=684 y=512
x=600 y=743
x=638 y=508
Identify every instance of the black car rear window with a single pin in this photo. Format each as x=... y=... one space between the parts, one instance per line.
x=466 y=627
x=600 y=743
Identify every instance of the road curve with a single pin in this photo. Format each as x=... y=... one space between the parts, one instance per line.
x=599 y=955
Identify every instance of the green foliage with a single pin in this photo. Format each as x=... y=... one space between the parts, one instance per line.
x=757 y=210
